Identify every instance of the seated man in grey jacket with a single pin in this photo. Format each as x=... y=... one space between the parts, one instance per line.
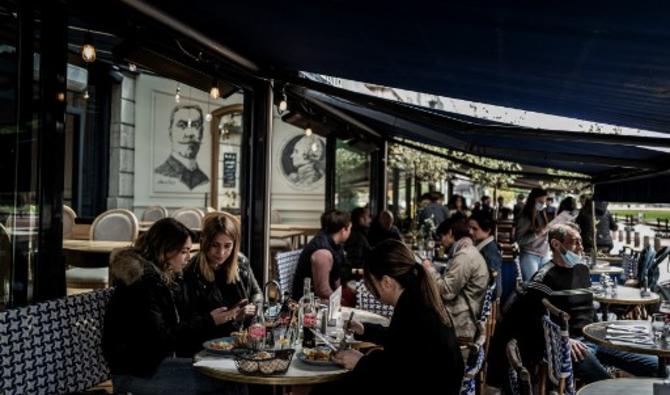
x=463 y=286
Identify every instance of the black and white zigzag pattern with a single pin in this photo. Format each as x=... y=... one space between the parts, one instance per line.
x=54 y=347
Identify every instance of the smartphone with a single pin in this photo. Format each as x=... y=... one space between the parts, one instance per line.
x=240 y=304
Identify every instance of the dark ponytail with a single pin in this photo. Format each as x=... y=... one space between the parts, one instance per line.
x=392 y=258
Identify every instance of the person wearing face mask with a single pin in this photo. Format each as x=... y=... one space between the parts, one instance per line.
x=531 y=234
x=565 y=282
x=143 y=332
x=219 y=275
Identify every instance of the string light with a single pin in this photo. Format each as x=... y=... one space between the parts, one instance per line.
x=208 y=117
x=308 y=131
x=177 y=95
x=132 y=67
x=86 y=95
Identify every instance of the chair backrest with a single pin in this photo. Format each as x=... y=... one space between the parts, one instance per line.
x=5 y=265
x=629 y=264
x=287 y=262
x=191 y=217
x=275 y=217
x=68 y=221
x=557 y=349
x=519 y=377
x=56 y=346
x=22 y=221
x=154 y=213
x=366 y=301
x=117 y=224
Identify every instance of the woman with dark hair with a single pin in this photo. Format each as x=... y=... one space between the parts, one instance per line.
x=531 y=234
x=568 y=204
x=456 y=205
x=143 y=330
x=420 y=350
x=219 y=275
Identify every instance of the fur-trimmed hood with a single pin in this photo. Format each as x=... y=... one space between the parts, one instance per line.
x=127 y=266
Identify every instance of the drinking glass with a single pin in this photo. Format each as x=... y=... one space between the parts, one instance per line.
x=658 y=325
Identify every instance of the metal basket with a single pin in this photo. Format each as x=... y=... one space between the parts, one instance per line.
x=269 y=362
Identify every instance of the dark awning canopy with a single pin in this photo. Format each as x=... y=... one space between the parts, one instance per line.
x=598 y=61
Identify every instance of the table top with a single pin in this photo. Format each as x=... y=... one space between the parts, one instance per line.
x=627 y=296
x=596 y=333
x=602 y=269
x=299 y=373
x=623 y=386
x=102 y=246
x=312 y=229
x=281 y=234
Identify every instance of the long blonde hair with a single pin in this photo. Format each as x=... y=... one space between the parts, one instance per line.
x=214 y=224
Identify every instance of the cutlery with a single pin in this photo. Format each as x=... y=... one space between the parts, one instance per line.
x=324 y=339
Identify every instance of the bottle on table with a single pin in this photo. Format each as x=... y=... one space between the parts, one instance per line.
x=257 y=329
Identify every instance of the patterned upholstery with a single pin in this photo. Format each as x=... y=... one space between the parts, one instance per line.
x=488 y=302
x=472 y=368
x=189 y=216
x=5 y=265
x=557 y=355
x=115 y=225
x=54 y=347
x=287 y=262
x=366 y=301
x=519 y=377
x=68 y=221
x=154 y=213
x=629 y=265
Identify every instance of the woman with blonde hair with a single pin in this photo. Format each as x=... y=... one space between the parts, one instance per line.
x=219 y=275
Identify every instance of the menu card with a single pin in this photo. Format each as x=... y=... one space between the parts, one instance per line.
x=334 y=304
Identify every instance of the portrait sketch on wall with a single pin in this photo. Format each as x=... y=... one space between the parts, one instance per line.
x=181 y=153
x=303 y=162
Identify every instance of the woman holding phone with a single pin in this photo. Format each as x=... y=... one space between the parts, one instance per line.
x=143 y=331
x=219 y=276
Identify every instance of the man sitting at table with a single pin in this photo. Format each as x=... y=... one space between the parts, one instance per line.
x=323 y=257
x=565 y=282
x=463 y=286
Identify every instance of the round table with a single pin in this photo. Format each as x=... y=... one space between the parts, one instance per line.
x=606 y=269
x=625 y=386
x=596 y=333
x=299 y=373
x=627 y=296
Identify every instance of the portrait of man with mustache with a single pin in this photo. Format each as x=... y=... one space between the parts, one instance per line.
x=186 y=131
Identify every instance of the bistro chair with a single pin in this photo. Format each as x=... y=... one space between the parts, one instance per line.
x=366 y=301
x=474 y=364
x=557 y=364
x=287 y=262
x=68 y=221
x=191 y=217
x=488 y=318
x=519 y=377
x=275 y=217
x=117 y=224
x=154 y=213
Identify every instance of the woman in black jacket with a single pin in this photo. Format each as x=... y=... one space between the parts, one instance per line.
x=219 y=275
x=143 y=330
x=420 y=349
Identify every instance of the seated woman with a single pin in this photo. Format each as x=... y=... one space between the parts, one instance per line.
x=142 y=329
x=420 y=350
x=219 y=276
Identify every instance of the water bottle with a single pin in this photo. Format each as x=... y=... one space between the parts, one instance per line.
x=257 y=329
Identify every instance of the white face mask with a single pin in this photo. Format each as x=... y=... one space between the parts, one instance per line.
x=539 y=206
x=571 y=258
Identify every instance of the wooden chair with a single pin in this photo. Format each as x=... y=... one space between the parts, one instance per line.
x=191 y=217
x=519 y=377
x=557 y=365
x=474 y=364
x=154 y=213
x=69 y=217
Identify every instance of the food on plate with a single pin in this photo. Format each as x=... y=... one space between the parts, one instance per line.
x=241 y=338
x=262 y=355
x=317 y=354
x=221 y=345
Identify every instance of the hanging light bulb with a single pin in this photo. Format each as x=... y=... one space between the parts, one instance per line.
x=315 y=147
x=177 y=95
x=132 y=67
x=308 y=131
x=214 y=92
x=208 y=117
x=88 y=50
x=86 y=95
